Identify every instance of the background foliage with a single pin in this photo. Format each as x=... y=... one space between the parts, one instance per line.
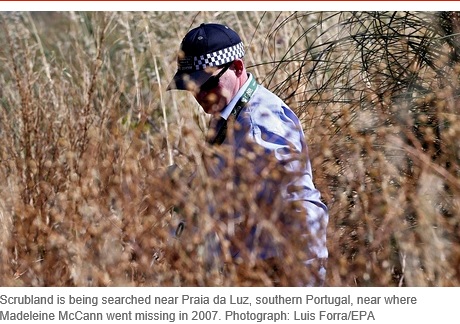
x=87 y=133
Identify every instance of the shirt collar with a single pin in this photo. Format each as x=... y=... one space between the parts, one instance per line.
x=228 y=109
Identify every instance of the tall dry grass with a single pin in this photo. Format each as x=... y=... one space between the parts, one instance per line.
x=87 y=134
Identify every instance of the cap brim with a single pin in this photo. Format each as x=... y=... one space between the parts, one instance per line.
x=188 y=81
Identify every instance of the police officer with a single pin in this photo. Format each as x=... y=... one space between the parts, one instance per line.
x=211 y=67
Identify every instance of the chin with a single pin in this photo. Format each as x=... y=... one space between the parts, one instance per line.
x=207 y=110
x=210 y=109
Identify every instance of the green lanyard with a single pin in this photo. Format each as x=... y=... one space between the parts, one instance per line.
x=222 y=133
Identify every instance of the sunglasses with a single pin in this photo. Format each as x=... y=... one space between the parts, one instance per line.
x=213 y=81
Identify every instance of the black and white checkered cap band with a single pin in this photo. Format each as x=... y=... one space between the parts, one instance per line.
x=217 y=58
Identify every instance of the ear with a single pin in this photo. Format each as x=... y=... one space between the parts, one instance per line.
x=238 y=67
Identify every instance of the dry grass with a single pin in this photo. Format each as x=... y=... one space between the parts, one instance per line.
x=87 y=133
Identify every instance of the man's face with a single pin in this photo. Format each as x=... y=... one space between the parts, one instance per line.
x=212 y=95
x=211 y=101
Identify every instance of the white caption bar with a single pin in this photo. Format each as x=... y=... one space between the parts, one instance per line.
x=228 y=305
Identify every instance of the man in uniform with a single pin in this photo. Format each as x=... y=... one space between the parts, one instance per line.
x=246 y=117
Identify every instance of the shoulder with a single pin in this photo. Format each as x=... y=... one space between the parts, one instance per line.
x=263 y=96
x=267 y=109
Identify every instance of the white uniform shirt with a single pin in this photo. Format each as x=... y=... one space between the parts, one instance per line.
x=268 y=122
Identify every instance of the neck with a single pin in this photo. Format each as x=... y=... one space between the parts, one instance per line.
x=241 y=80
x=244 y=77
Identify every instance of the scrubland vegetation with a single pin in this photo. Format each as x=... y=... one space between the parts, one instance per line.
x=87 y=133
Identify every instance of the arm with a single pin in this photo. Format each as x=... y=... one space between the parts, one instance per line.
x=278 y=130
